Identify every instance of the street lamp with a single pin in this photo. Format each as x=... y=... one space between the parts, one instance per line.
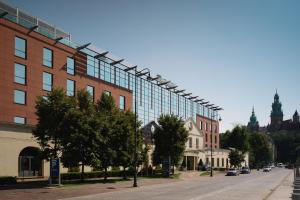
x=211 y=132
x=142 y=72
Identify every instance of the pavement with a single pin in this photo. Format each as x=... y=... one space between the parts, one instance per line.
x=255 y=186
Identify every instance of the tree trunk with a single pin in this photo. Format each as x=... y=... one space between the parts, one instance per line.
x=173 y=170
x=82 y=172
x=105 y=173
x=124 y=173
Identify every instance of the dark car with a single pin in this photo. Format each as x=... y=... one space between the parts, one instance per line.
x=245 y=170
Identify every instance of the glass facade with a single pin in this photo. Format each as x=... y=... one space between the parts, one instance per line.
x=47 y=81
x=70 y=66
x=20 y=74
x=20 y=47
x=19 y=97
x=70 y=87
x=47 y=57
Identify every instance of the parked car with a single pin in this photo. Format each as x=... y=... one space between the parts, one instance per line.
x=267 y=169
x=233 y=172
x=245 y=170
x=279 y=165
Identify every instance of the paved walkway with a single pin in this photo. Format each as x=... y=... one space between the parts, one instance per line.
x=284 y=190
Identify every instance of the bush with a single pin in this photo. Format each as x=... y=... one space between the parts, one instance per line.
x=6 y=180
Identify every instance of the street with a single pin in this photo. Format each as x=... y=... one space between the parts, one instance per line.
x=257 y=185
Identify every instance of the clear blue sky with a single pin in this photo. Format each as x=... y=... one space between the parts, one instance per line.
x=234 y=53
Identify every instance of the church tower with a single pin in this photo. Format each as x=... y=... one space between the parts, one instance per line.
x=276 y=113
x=296 y=117
x=253 y=125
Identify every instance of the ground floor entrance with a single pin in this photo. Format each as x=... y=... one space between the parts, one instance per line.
x=30 y=162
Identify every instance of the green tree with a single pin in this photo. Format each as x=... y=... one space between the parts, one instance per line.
x=50 y=111
x=105 y=152
x=238 y=138
x=236 y=158
x=80 y=131
x=169 y=139
x=260 y=153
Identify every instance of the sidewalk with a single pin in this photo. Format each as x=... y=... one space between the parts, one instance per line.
x=284 y=190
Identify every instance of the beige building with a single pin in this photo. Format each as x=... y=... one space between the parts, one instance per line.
x=196 y=153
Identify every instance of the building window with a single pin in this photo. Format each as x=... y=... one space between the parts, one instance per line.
x=201 y=124
x=90 y=90
x=20 y=74
x=47 y=57
x=47 y=81
x=20 y=47
x=70 y=87
x=218 y=162
x=190 y=142
x=108 y=93
x=206 y=128
x=216 y=129
x=19 y=97
x=70 y=66
x=122 y=103
x=206 y=161
x=197 y=143
x=222 y=162
x=19 y=120
x=212 y=162
x=216 y=139
x=206 y=137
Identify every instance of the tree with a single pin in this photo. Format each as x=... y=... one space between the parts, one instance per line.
x=260 y=152
x=80 y=132
x=236 y=158
x=50 y=112
x=105 y=116
x=169 y=139
x=124 y=139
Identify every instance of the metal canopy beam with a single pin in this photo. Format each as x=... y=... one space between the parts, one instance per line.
x=153 y=79
x=101 y=55
x=130 y=68
x=3 y=14
x=193 y=97
x=164 y=83
x=58 y=39
x=209 y=105
x=83 y=46
x=218 y=109
x=179 y=91
x=203 y=103
x=117 y=62
x=141 y=74
x=184 y=95
x=197 y=100
x=33 y=28
x=170 y=88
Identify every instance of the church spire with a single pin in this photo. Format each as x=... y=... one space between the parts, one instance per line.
x=276 y=113
x=253 y=125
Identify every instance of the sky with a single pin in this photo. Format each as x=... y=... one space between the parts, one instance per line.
x=234 y=53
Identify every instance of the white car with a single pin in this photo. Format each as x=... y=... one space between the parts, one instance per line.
x=267 y=169
x=233 y=172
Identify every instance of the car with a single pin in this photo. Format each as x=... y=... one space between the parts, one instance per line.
x=267 y=169
x=245 y=170
x=232 y=172
x=279 y=165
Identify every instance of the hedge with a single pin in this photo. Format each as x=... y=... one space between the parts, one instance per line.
x=6 y=180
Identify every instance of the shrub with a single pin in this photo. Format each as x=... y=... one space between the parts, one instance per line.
x=6 y=180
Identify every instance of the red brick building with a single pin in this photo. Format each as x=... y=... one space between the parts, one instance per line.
x=209 y=128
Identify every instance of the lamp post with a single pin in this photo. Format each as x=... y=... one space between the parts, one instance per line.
x=136 y=74
x=211 y=132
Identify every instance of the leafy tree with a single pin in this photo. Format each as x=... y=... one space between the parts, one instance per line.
x=106 y=114
x=49 y=131
x=238 y=138
x=80 y=130
x=169 y=139
x=260 y=152
x=124 y=139
x=236 y=157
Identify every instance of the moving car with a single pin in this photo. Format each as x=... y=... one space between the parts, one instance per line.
x=245 y=170
x=267 y=169
x=233 y=172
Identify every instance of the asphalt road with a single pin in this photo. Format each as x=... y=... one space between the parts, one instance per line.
x=255 y=186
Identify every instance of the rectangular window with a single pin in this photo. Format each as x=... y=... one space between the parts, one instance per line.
x=201 y=124
x=206 y=161
x=47 y=57
x=70 y=66
x=197 y=143
x=215 y=139
x=20 y=47
x=216 y=129
x=19 y=120
x=19 y=97
x=222 y=162
x=212 y=162
x=206 y=128
x=20 y=74
x=218 y=162
x=90 y=90
x=70 y=87
x=206 y=137
x=47 y=81
x=190 y=142
x=122 y=103
x=107 y=92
